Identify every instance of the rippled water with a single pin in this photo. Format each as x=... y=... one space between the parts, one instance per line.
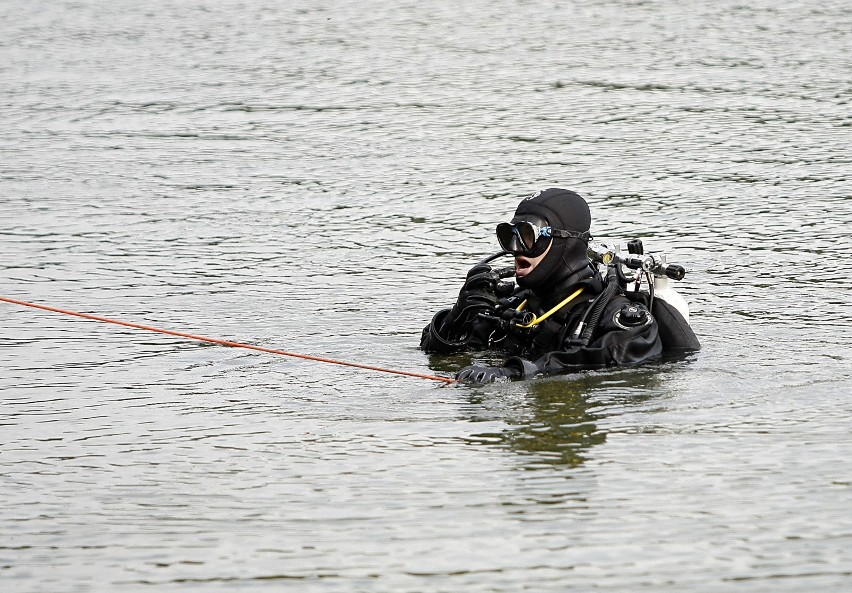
x=317 y=177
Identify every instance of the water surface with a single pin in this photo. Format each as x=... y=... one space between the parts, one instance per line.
x=319 y=179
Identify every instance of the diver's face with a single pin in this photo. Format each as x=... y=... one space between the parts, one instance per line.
x=524 y=265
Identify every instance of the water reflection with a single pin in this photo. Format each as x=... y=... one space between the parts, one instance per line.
x=556 y=426
x=556 y=421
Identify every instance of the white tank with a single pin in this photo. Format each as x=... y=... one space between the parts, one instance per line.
x=663 y=290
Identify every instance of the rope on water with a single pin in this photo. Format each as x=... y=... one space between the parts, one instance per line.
x=225 y=342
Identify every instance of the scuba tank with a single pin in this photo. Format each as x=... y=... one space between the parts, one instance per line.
x=664 y=291
x=667 y=306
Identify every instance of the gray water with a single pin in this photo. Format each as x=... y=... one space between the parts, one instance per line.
x=318 y=177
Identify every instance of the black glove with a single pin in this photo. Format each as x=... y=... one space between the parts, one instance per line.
x=482 y=374
x=478 y=295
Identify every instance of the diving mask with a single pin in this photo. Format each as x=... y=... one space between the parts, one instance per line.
x=527 y=238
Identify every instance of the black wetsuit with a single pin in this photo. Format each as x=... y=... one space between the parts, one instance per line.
x=603 y=326
x=624 y=331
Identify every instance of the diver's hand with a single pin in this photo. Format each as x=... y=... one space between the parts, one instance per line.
x=478 y=295
x=480 y=276
x=482 y=374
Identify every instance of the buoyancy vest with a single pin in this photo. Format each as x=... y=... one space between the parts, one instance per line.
x=676 y=334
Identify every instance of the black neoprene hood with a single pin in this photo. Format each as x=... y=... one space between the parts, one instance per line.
x=562 y=209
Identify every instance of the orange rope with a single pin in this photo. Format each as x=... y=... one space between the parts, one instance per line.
x=224 y=342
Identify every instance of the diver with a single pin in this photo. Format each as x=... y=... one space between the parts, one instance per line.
x=564 y=315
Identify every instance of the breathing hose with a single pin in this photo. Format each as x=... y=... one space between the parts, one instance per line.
x=598 y=306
